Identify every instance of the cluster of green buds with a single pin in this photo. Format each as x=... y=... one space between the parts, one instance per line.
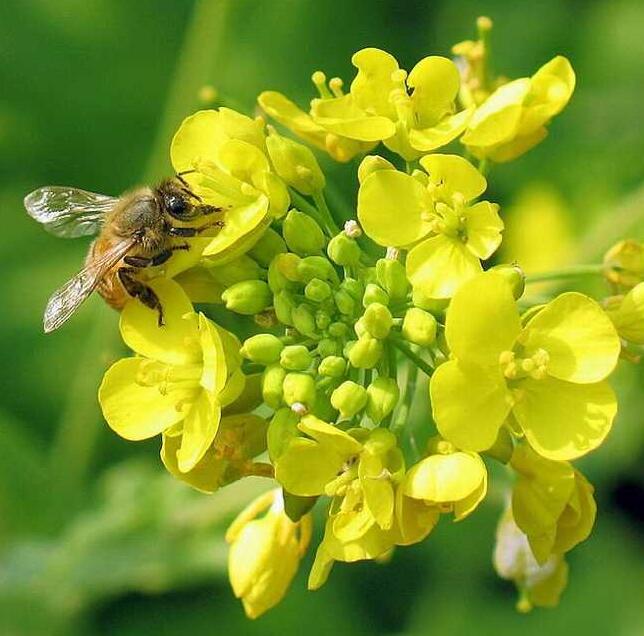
x=346 y=324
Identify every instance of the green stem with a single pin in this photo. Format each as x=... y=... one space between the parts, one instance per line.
x=414 y=357
x=565 y=272
x=320 y=202
x=305 y=206
x=73 y=447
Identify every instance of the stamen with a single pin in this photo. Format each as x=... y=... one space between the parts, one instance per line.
x=335 y=84
x=319 y=79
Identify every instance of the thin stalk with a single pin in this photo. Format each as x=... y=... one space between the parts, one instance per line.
x=414 y=357
x=320 y=202
x=305 y=206
x=565 y=272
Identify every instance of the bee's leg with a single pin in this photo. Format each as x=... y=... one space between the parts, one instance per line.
x=137 y=289
x=151 y=261
x=187 y=232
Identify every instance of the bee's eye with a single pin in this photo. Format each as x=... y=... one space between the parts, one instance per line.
x=176 y=205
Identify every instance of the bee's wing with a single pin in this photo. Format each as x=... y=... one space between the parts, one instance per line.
x=68 y=212
x=64 y=301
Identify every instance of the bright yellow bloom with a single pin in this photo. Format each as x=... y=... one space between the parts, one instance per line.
x=627 y=314
x=239 y=439
x=624 y=263
x=227 y=152
x=431 y=213
x=410 y=114
x=549 y=375
x=513 y=119
x=185 y=373
x=265 y=552
x=538 y=585
x=552 y=503
x=451 y=480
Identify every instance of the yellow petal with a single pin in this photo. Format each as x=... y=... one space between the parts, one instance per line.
x=435 y=81
x=440 y=265
x=329 y=435
x=483 y=226
x=482 y=320
x=132 y=410
x=215 y=370
x=562 y=420
x=198 y=138
x=176 y=341
x=373 y=83
x=414 y=519
x=199 y=429
x=579 y=337
x=469 y=404
x=450 y=174
x=513 y=149
x=391 y=206
x=446 y=130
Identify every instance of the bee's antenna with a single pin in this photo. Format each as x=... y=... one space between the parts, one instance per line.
x=186 y=186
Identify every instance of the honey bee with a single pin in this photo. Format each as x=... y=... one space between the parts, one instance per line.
x=133 y=231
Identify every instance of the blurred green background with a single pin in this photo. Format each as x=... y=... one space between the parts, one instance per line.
x=94 y=537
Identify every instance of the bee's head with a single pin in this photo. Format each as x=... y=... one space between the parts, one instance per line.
x=177 y=206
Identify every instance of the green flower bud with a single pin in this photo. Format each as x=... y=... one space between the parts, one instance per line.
x=345 y=303
x=304 y=321
x=372 y=163
x=366 y=352
x=272 y=385
x=346 y=350
x=302 y=234
x=383 y=395
x=332 y=366
x=295 y=358
x=281 y=430
x=270 y=244
x=264 y=348
x=317 y=267
x=374 y=294
x=317 y=290
x=328 y=347
x=284 y=306
x=419 y=327
x=377 y=320
x=322 y=319
x=353 y=287
x=299 y=387
x=238 y=270
x=248 y=297
x=296 y=506
x=434 y=305
x=294 y=163
x=338 y=329
x=288 y=265
x=343 y=250
x=380 y=441
x=276 y=280
x=360 y=327
x=349 y=398
x=514 y=275
x=392 y=278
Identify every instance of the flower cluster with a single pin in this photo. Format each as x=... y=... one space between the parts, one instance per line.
x=346 y=319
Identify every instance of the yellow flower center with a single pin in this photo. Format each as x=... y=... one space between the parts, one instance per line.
x=516 y=367
x=180 y=381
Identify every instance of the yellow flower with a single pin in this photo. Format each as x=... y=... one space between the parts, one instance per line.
x=549 y=375
x=185 y=372
x=624 y=263
x=451 y=480
x=265 y=552
x=227 y=153
x=627 y=314
x=539 y=585
x=552 y=503
x=410 y=114
x=239 y=439
x=431 y=213
x=513 y=119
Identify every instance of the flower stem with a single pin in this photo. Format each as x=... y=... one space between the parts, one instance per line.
x=565 y=272
x=414 y=357
x=320 y=202
x=305 y=206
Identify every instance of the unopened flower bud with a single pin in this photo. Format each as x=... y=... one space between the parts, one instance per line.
x=288 y=265
x=299 y=387
x=627 y=314
x=338 y=329
x=353 y=287
x=317 y=290
x=248 y=297
x=284 y=306
x=392 y=278
x=328 y=347
x=352 y=229
x=372 y=163
x=316 y=267
x=383 y=395
x=377 y=320
x=345 y=303
x=295 y=358
x=419 y=327
x=302 y=234
x=264 y=348
x=625 y=263
x=332 y=366
x=270 y=244
x=272 y=381
x=514 y=275
x=240 y=269
x=366 y=352
x=343 y=250
x=304 y=321
x=294 y=163
x=360 y=327
x=374 y=294
x=434 y=305
x=349 y=398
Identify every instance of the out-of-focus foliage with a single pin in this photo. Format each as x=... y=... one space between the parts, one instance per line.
x=94 y=538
